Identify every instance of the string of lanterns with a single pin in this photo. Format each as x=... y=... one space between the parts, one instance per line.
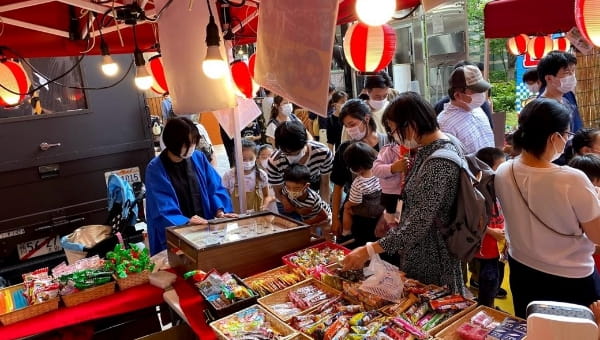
x=536 y=47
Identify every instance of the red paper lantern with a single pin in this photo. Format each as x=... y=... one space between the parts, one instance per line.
x=369 y=49
x=13 y=77
x=251 y=64
x=241 y=76
x=561 y=44
x=156 y=69
x=539 y=46
x=587 y=18
x=517 y=45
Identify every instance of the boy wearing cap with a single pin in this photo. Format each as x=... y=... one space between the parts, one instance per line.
x=463 y=116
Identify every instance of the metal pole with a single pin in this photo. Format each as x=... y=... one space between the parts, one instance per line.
x=239 y=162
x=237 y=142
x=426 y=90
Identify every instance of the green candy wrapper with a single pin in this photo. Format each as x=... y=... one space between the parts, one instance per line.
x=123 y=261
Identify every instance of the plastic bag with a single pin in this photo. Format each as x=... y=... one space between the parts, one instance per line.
x=86 y=237
x=385 y=280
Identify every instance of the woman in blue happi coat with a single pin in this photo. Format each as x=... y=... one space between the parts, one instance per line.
x=182 y=186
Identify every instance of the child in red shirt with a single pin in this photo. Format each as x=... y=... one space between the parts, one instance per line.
x=489 y=255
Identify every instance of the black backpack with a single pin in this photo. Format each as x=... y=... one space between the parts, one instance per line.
x=473 y=207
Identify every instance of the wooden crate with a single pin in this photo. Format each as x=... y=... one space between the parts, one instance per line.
x=276 y=324
x=245 y=256
x=29 y=311
x=282 y=297
x=449 y=331
x=273 y=273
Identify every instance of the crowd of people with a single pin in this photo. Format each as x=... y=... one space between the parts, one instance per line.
x=374 y=181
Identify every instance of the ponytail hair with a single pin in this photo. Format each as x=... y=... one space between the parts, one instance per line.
x=541 y=118
x=275 y=108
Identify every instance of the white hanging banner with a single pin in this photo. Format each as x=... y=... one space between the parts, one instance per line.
x=182 y=33
x=246 y=109
x=294 y=50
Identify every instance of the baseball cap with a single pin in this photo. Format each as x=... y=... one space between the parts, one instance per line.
x=468 y=77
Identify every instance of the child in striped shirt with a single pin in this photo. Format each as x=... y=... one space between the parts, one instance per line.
x=305 y=201
x=365 y=192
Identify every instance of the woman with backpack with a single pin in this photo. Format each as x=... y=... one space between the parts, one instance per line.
x=552 y=214
x=430 y=192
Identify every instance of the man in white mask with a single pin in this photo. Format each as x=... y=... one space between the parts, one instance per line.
x=556 y=72
x=462 y=116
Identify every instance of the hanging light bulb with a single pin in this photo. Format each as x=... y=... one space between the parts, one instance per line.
x=143 y=79
x=213 y=65
x=375 y=12
x=109 y=67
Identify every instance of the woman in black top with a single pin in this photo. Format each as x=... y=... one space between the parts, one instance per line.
x=355 y=115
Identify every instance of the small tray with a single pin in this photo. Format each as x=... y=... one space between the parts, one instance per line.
x=448 y=332
x=219 y=312
x=285 y=330
x=273 y=273
x=282 y=297
x=29 y=311
x=89 y=294
x=287 y=258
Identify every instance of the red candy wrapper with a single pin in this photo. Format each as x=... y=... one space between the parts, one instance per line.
x=468 y=331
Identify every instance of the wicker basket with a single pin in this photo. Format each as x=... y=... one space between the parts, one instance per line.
x=29 y=311
x=282 y=297
x=133 y=280
x=448 y=332
x=286 y=331
x=89 y=294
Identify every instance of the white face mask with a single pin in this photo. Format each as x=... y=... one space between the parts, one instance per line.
x=477 y=99
x=356 y=133
x=377 y=104
x=264 y=163
x=410 y=143
x=189 y=152
x=296 y=158
x=567 y=84
x=534 y=88
x=294 y=194
x=249 y=165
x=558 y=152
x=286 y=109
x=397 y=138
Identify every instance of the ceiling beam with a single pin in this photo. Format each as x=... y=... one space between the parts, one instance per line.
x=87 y=5
x=22 y=4
x=30 y=26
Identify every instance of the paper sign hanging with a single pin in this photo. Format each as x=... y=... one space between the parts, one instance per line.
x=294 y=45
x=182 y=33
x=247 y=111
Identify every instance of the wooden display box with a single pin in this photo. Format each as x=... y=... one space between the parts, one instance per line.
x=282 y=296
x=220 y=312
x=245 y=246
x=281 y=327
x=448 y=332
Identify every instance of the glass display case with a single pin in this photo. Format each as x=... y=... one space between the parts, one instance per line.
x=246 y=245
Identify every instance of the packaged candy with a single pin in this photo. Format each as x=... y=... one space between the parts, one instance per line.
x=123 y=261
x=481 y=319
x=469 y=331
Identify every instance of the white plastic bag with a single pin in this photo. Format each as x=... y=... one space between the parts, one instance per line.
x=385 y=280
